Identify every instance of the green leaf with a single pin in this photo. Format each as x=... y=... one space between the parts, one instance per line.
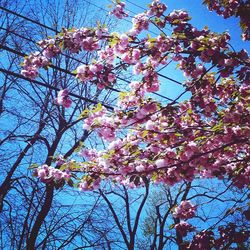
x=98 y=23
x=108 y=155
x=78 y=149
x=83 y=114
x=201 y=49
x=75 y=185
x=123 y=94
x=115 y=38
x=182 y=36
x=154 y=177
x=217 y=127
x=34 y=165
x=97 y=108
x=63 y=167
x=200 y=138
x=145 y=133
x=178 y=134
x=73 y=165
x=61 y=45
x=176 y=21
x=137 y=152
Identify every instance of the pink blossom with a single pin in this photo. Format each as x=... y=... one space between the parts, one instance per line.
x=157 y=8
x=185 y=210
x=183 y=228
x=140 y=23
x=63 y=98
x=140 y=168
x=160 y=163
x=119 y=11
x=48 y=174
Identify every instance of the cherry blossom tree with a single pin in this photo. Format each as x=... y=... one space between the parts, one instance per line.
x=203 y=133
x=237 y=8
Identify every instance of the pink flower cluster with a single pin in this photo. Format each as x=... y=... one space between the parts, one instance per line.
x=156 y=8
x=32 y=63
x=49 y=47
x=203 y=240
x=37 y=60
x=178 y=16
x=119 y=10
x=86 y=40
x=74 y=40
x=140 y=23
x=228 y=234
x=96 y=72
x=131 y=56
x=185 y=210
x=131 y=99
x=183 y=228
x=100 y=118
x=49 y=174
x=89 y=184
x=63 y=98
x=107 y=55
x=226 y=9
x=233 y=8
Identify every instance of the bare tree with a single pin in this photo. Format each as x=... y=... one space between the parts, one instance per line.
x=216 y=207
x=126 y=208
x=34 y=129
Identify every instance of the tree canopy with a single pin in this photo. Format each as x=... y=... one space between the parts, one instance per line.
x=202 y=133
